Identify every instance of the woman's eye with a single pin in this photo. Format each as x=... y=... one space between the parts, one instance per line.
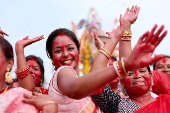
x=160 y=67
x=142 y=71
x=130 y=72
x=36 y=69
x=168 y=66
x=57 y=51
x=70 y=48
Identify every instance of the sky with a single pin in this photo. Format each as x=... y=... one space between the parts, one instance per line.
x=20 y=18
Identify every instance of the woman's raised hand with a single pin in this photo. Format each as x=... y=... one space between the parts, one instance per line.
x=116 y=33
x=142 y=52
x=26 y=41
x=98 y=42
x=130 y=15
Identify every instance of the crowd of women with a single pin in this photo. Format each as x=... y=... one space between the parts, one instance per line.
x=142 y=90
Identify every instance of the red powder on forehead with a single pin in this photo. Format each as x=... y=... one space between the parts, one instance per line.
x=62 y=34
x=32 y=58
x=164 y=60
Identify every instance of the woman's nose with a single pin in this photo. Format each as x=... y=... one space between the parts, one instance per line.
x=65 y=53
x=136 y=74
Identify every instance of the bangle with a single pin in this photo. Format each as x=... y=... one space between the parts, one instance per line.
x=126 y=38
x=20 y=71
x=48 y=102
x=116 y=69
x=127 y=33
x=108 y=56
x=123 y=66
x=23 y=74
x=106 y=52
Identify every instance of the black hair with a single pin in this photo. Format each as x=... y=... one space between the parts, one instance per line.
x=6 y=48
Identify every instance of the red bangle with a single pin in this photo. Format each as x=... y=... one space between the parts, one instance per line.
x=23 y=74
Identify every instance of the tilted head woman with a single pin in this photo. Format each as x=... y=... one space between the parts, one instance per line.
x=36 y=69
x=163 y=65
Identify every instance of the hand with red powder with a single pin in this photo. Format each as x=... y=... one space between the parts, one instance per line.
x=142 y=52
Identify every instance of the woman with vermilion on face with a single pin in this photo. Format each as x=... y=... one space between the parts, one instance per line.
x=160 y=82
x=138 y=80
x=36 y=68
x=163 y=65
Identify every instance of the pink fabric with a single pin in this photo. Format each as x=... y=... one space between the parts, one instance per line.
x=65 y=104
x=161 y=83
x=11 y=102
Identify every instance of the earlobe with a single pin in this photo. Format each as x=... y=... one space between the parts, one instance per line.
x=10 y=64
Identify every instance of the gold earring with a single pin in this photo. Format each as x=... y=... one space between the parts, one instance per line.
x=8 y=77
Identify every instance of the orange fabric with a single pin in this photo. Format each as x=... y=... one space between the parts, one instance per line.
x=161 y=83
x=161 y=105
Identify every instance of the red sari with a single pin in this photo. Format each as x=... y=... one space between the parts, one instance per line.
x=161 y=105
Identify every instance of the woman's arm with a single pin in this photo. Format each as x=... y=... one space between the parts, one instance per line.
x=128 y=19
x=22 y=68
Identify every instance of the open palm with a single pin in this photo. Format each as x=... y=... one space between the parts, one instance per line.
x=131 y=14
x=142 y=52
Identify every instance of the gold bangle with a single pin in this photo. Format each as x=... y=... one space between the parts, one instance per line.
x=116 y=69
x=106 y=52
x=127 y=33
x=123 y=66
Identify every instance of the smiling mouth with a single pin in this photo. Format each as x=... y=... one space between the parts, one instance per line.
x=66 y=62
x=138 y=83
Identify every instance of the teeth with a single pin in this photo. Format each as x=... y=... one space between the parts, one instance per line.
x=68 y=61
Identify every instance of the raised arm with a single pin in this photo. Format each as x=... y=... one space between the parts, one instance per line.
x=128 y=19
x=24 y=78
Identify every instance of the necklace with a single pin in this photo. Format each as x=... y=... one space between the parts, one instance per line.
x=2 y=94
